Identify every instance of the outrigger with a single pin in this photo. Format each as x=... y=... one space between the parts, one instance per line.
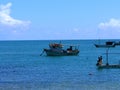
x=107 y=65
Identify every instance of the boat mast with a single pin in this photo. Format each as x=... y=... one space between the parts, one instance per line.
x=107 y=56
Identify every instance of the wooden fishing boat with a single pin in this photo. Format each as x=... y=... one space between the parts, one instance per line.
x=56 y=49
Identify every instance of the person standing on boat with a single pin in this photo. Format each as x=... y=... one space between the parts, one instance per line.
x=99 y=62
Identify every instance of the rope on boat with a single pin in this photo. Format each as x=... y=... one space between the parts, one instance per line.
x=42 y=53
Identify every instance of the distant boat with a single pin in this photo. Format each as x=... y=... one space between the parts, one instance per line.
x=56 y=49
x=106 y=45
x=117 y=43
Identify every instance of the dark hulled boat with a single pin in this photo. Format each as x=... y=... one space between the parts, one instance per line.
x=56 y=49
x=106 y=45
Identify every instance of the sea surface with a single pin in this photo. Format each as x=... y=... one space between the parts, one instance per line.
x=22 y=67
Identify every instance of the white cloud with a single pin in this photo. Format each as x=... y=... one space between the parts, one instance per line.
x=112 y=23
x=109 y=29
x=7 y=20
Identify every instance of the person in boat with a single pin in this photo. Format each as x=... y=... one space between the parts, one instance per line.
x=70 y=48
x=99 y=61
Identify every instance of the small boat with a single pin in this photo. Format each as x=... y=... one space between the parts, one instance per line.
x=117 y=43
x=56 y=49
x=107 y=65
x=106 y=45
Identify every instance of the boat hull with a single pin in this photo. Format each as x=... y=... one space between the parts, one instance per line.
x=50 y=52
x=103 y=46
x=109 y=66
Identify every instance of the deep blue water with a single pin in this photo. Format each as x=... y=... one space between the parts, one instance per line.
x=22 y=67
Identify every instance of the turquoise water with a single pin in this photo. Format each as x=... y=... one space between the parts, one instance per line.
x=22 y=67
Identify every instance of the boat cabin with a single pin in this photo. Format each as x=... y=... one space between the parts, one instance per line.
x=110 y=43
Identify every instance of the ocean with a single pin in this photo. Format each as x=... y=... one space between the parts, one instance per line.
x=22 y=67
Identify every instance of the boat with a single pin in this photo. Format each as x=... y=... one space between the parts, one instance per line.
x=107 y=65
x=56 y=49
x=117 y=43
x=106 y=45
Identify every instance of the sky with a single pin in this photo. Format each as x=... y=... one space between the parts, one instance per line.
x=59 y=19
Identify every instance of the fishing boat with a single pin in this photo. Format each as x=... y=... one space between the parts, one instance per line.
x=107 y=65
x=117 y=43
x=56 y=49
x=106 y=45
